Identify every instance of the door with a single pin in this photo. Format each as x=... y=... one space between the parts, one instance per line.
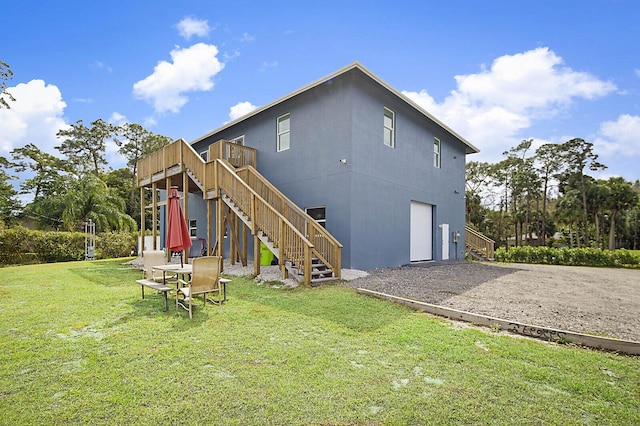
x=421 y=231
x=445 y=241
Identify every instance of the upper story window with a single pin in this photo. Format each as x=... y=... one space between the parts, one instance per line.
x=389 y=127
x=436 y=152
x=205 y=155
x=238 y=141
x=284 y=132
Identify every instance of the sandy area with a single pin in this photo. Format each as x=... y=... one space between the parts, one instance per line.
x=602 y=301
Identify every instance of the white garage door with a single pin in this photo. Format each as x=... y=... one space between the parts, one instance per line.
x=421 y=231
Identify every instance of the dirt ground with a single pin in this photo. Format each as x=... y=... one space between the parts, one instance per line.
x=601 y=301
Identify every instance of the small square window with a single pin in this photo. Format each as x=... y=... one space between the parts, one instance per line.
x=205 y=155
x=389 y=127
x=319 y=214
x=193 y=227
x=284 y=132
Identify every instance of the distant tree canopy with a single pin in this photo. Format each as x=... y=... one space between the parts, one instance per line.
x=5 y=75
x=528 y=197
x=79 y=186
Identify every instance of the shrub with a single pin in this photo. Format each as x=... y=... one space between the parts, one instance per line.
x=567 y=256
x=20 y=245
x=115 y=244
x=58 y=246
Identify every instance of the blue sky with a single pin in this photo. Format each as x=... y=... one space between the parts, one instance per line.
x=497 y=72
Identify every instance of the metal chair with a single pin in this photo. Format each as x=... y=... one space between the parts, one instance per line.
x=153 y=258
x=205 y=279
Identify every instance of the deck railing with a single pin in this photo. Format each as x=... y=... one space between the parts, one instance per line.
x=289 y=227
x=326 y=247
x=480 y=243
x=292 y=245
x=237 y=155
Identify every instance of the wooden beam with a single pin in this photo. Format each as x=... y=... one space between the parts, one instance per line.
x=209 y=227
x=185 y=199
x=256 y=255
x=154 y=215
x=142 y=212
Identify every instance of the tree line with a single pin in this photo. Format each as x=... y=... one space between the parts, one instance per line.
x=77 y=186
x=547 y=197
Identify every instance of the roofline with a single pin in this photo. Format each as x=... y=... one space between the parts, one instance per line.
x=354 y=65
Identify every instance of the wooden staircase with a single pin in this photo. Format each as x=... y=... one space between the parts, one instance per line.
x=305 y=250
x=320 y=272
x=479 y=246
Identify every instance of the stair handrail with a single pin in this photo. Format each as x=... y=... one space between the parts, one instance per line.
x=328 y=250
x=326 y=247
x=479 y=242
x=292 y=244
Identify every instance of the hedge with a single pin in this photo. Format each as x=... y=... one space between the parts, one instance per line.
x=20 y=245
x=568 y=256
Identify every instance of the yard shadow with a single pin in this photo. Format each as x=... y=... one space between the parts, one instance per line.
x=330 y=303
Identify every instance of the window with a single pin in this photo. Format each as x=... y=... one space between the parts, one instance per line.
x=389 y=125
x=319 y=214
x=205 y=155
x=284 y=132
x=436 y=153
x=238 y=141
x=193 y=227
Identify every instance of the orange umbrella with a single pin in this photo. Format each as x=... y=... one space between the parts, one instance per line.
x=178 y=237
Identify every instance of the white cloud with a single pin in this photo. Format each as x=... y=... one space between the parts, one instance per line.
x=35 y=117
x=266 y=65
x=99 y=65
x=247 y=38
x=189 y=27
x=240 y=109
x=491 y=108
x=117 y=119
x=619 y=137
x=192 y=69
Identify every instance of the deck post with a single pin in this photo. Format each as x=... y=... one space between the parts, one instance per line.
x=185 y=199
x=209 y=219
x=142 y=209
x=256 y=255
x=154 y=215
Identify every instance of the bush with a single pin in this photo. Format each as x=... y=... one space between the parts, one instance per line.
x=20 y=245
x=58 y=246
x=567 y=256
x=115 y=244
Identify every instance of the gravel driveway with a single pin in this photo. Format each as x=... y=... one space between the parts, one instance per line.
x=602 y=301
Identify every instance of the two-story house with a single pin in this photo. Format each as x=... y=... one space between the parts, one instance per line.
x=381 y=174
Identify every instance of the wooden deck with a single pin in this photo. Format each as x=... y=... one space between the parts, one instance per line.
x=237 y=193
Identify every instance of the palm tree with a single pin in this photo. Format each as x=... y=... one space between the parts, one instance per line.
x=90 y=198
x=621 y=197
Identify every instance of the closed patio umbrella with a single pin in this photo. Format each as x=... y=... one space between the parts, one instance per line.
x=178 y=238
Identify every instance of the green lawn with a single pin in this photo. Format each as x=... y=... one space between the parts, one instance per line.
x=79 y=346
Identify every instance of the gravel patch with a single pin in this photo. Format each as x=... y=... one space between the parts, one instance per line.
x=600 y=301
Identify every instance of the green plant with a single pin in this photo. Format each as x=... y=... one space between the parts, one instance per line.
x=567 y=256
x=80 y=346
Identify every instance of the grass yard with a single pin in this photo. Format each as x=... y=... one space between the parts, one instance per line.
x=79 y=345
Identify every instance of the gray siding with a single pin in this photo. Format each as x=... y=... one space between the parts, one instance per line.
x=367 y=199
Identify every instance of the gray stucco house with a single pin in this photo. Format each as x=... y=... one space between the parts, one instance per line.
x=385 y=177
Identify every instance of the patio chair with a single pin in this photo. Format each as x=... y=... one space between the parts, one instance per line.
x=205 y=279
x=155 y=258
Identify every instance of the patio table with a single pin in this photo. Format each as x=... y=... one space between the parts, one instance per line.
x=187 y=269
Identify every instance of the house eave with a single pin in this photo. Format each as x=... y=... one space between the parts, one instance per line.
x=470 y=148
